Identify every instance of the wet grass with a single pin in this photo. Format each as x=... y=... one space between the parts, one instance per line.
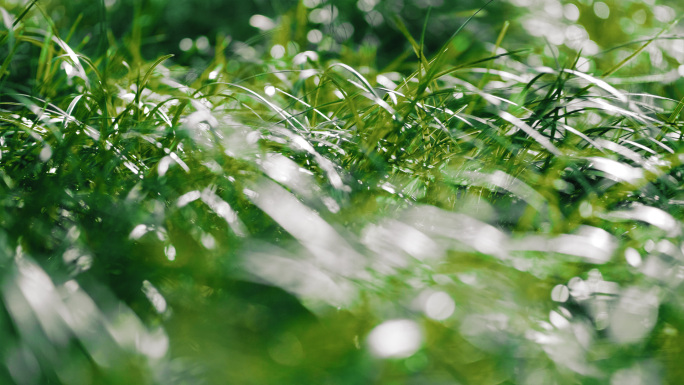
x=254 y=224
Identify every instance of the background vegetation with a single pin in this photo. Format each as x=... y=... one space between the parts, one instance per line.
x=347 y=192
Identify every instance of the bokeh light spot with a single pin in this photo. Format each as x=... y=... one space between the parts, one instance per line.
x=185 y=44
x=374 y=18
x=262 y=22
x=601 y=10
x=170 y=252
x=439 y=306
x=633 y=257
x=663 y=13
x=277 y=51
x=312 y=3
x=314 y=36
x=639 y=16
x=571 y=12
x=202 y=43
x=366 y=5
x=560 y=293
x=269 y=90
x=398 y=338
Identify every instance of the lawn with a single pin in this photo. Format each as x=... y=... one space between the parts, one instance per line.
x=341 y=192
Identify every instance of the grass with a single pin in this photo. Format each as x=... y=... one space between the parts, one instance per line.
x=253 y=225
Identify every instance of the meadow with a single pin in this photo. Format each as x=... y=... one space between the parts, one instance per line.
x=399 y=192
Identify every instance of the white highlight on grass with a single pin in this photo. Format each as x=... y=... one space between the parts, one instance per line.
x=571 y=12
x=170 y=252
x=331 y=204
x=600 y=83
x=278 y=51
x=576 y=34
x=45 y=153
x=586 y=209
x=558 y=320
x=185 y=44
x=398 y=338
x=138 y=231
x=324 y=15
x=314 y=36
x=223 y=210
x=154 y=296
x=187 y=198
x=163 y=165
x=555 y=36
x=633 y=257
x=560 y=293
x=583 y=64
x=639 y=16
x=154 y=344
x=308 y=73
x=367 y=5
x=649 y=245
x=601 y=10
x=663 y=13
x=69 y=69
x=635 y=315
x=302 y=57
x=616 y=170
x=554 y=9
x=312 y=3
x=374 y=18
x=651 y=215
x=269 y=90
x=439 y=306
x=262 y=22
x=343 y=31
x=542 y=140
x=641 y=373
x=208 y=241
x=245 y=51
x=202 y=43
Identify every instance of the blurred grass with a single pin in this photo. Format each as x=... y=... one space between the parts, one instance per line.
x=251 y=210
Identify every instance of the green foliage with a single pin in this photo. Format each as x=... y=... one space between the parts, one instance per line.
x=469 y=207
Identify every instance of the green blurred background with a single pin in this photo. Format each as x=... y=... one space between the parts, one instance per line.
x=553 y=31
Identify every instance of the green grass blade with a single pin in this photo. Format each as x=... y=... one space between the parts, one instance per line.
x=643 y=47
x=24 y=12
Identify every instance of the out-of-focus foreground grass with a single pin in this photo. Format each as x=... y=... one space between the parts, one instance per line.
x=347 y=192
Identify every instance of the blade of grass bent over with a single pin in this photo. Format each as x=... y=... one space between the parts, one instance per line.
x=539 y=138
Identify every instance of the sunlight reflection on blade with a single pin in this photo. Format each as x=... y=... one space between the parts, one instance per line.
x=651 y=215
x=300 y=277
x=330 y=249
